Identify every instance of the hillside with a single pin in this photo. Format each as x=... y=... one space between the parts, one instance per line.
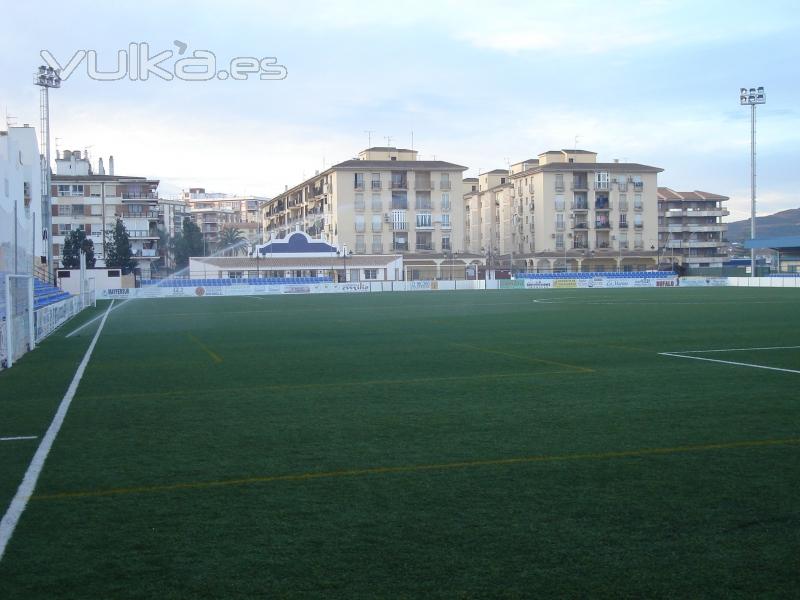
x=786 y=222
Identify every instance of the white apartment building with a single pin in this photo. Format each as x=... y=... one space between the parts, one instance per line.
x=21 y=242
x=83 y=199
x=566 y=211
x=383 y=202
x=212 y=212
x=690 y=227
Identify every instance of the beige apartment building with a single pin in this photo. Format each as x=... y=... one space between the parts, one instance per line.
x=83 y=199
x=566 y=211
x=383 y=202
x=690 y=227
x=212 y=212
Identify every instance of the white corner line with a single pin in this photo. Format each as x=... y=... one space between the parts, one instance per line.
x=18 y=437
x=25 y=489
x=728 y=362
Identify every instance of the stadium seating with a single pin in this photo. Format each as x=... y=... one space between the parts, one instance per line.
x=44 y=294
x=591 y=275
x=234 y=281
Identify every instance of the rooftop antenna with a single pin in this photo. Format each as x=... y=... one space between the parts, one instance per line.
x=369 y=133
x=577 y=137
x=388 y=139
x=10 y=120
x=412 y=139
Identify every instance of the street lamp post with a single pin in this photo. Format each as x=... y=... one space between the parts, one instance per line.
x=344 y=253
x=752 y=97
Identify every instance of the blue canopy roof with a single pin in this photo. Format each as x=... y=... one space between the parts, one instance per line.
x=787 y=242
x=297 y=243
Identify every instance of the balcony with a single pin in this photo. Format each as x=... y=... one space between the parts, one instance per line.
x=399 y=184
x=424 y=247
x=399 y=247
x=358 y=186
x=580 y=185
x=581 y=226
x=578 y=245
x=138 y=196
x=580 y=206
x=638 y=207
x=623 y=225
x=399 y=226
x=602 y=185
x=375 y=185
x=602 y=225
x=638 y=186
x=603 y=204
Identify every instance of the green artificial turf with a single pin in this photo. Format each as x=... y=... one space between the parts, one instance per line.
x=360 y=446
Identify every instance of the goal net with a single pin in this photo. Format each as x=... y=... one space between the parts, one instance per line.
x=17 y=333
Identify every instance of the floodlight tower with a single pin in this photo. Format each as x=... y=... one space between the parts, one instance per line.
x=752 y=97
x=46 y=78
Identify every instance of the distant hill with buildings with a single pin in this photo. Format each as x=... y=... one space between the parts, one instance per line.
x=784 y=223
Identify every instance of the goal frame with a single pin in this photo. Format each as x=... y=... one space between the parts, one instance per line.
x=10 y=317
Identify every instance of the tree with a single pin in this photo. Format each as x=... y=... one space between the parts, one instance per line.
x=118 y=249
x=74 y=242
x=231 y=241
x=187 y=243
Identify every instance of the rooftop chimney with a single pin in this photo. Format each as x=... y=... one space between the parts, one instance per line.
x=100 y=168
x=111 y=165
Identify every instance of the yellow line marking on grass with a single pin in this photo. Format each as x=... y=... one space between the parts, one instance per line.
x=416 y=468
x=335 y=384
x=214 y=356
x=523 y=357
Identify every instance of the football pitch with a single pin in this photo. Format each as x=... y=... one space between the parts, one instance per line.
x=512 y=444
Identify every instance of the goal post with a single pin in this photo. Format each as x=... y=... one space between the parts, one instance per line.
x=19 y=333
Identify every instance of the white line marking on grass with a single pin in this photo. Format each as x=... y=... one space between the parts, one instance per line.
x=728 y=362
x=18 y=437
x=734 y=350
x=26 y=488
x=74 y=331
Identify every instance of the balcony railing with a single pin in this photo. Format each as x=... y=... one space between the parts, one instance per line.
x=397 y=247
x=559 y=186
x=602 y=225
x=580 y=184
x=359 y=186
x=424 y=246
x=580 y=206
x=602 y=185
x=581 y=226
x=399 y=185
x=423 y=185
x=133 y=196
x=376 y=185
x=444 y=185
x=602 y=205
x=638 y=186
x=623 y=225
x=399 y=226
x=580 y=245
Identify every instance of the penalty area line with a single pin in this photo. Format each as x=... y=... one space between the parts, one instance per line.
x=97 y=318
x=28 y=485
x=18 y=437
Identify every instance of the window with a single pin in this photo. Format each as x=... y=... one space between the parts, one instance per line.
x=559 y=182
x=623 y=240
x=376 y=181
x=638 y=243
x=400 y=242
x=377 y=244
x=358 y=181
x=371 y=274
x=399 y=220
x=623 y=220
x=559 y=241
x=445 y=200
x=64 y=210
x=559 y=202
x=359 y=202
x=361 y=244
x=445 y=221
x=601 y=180
x=424 y=220
x=637 y=202
x=446 y=243
x=360 y=225
x=623 y=202
x=236 y=274
x=135 y=209
x=377 y=203
x=77 y=209
x=637 y=220
x=424 y=240
x=64 y=228
x=560 y=221
x=399 y=200
x=444 y=181
x=97 y=210
x=423 y=201
x=398 y=179
x=377 y=223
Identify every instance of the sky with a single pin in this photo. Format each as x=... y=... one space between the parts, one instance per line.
x=479 y=84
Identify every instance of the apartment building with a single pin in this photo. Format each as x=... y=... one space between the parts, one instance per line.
x=212 y=212
x=483 y=204
x=566 y=211
x=21 y=245
x=385 y=201
x=83 y=199
x=690 y=227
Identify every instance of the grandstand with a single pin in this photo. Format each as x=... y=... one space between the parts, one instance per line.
x=596 y=274
x=179 y=282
